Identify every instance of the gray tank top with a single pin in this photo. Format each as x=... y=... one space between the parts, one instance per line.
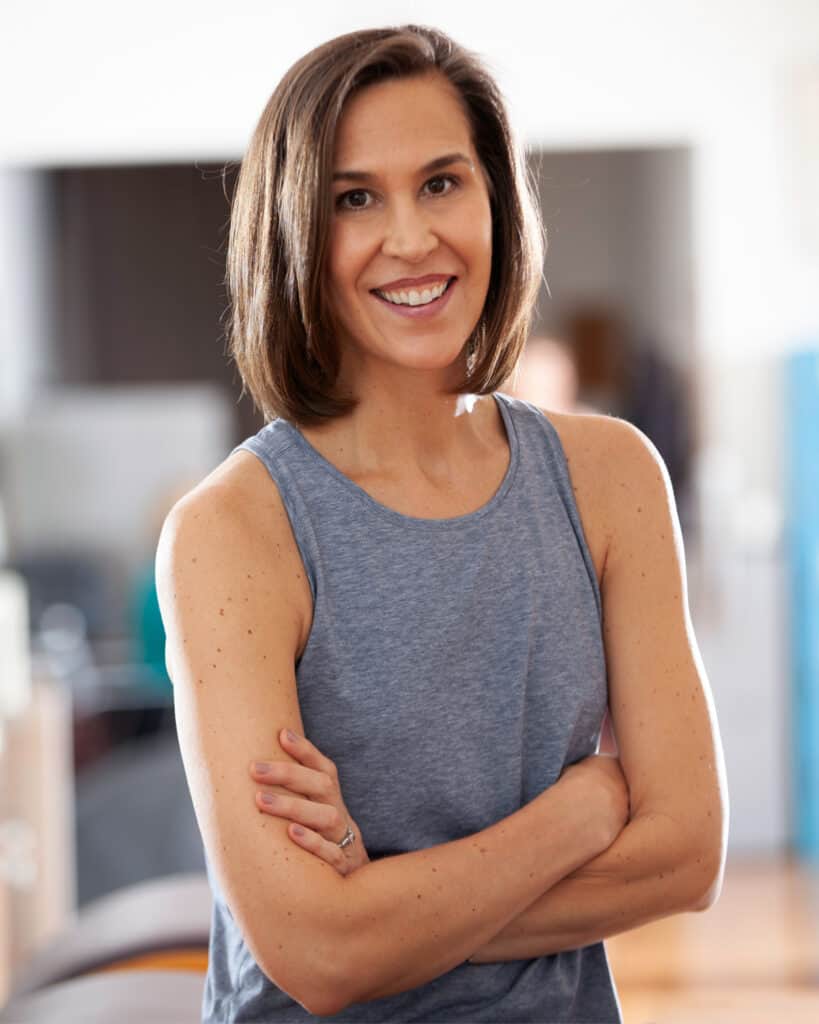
x=454 y=668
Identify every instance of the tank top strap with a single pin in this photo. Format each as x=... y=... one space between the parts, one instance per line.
x=549 y=464
x=275 y=446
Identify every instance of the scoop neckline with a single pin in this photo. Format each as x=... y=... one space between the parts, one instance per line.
x=501 y=401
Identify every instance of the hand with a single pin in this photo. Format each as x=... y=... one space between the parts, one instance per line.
x=323 y=815
x=604 y=773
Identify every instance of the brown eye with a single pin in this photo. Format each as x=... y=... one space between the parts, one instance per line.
x=445 y=178
x=341 y=204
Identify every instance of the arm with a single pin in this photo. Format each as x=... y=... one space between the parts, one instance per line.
x=670 y=857
x=416 y=916
x=225 y=565
x=638 y=879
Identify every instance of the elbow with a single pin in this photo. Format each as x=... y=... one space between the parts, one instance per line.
x=329 y=1006
x=710 y=870
x=710 y=895
x=340 y=990
x=348 y=976
x=337 y=991
x=317 y=976
x=334 y=996
x=343 y=967
x=317 y=994
x=329 y=972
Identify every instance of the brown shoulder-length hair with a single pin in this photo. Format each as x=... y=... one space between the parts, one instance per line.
x=279 y=330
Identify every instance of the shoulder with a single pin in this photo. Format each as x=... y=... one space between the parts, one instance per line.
x=598 y=441
x=610 y=461
x=224 y=512
x=233 y=519
x=240 y=482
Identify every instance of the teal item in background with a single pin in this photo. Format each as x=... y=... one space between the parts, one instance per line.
x=802 y=515
x=147 y=630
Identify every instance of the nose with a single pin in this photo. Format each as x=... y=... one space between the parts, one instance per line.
x=408 y=234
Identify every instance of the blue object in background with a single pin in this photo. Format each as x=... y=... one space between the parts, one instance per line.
x=147 y=629
x=802 y=447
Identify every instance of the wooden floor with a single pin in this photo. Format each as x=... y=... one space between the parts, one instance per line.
x=752 y=958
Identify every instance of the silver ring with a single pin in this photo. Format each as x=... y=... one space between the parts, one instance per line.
x=348 y=838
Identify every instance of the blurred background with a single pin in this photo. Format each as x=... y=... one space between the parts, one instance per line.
x=676 y=150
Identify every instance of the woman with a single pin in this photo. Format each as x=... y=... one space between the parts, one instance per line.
x=401 y=569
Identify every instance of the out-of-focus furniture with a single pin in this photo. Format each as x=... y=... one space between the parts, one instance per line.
x=37 y=880
x=139 y=955
x=129 y=997
x=134 y=817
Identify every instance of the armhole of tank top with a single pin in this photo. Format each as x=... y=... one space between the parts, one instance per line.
x=564 y=480
x=255 y=447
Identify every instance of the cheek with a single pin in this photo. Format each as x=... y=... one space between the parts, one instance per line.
x=346 y=260
x=476 y=225
x=480 y=241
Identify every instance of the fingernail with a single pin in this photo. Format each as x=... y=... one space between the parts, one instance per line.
x=299 y=831
x=261 y=767
x=292 y=736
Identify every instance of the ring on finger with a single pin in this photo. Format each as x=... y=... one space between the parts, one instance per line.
x=346 y=840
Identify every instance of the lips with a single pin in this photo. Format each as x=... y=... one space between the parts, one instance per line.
x=379 y=294
x=423 y=311
x=418 y=284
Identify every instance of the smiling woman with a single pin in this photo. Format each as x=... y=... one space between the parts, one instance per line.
x=410 y=570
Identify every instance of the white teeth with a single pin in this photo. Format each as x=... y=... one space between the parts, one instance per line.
x=413 y=297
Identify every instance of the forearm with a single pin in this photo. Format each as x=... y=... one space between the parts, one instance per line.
x=642 y=876
x=411 y=918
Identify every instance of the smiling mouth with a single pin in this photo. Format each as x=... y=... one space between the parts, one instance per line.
x=412 y=305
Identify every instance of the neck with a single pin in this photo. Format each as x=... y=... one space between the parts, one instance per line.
x=403 y=427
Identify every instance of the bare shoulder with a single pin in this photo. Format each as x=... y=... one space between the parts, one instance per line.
x=238 y=507
x=591 y=443
x=617 y=474
x=217 y=540
x=240 y=481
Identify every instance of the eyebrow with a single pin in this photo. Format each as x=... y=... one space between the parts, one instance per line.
x=433 y=165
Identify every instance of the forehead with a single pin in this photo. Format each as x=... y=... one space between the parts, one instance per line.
x=401 y=119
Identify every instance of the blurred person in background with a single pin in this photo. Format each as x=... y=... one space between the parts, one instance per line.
x=546 y=375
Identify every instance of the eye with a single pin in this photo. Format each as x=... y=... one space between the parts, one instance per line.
x=450 y=178
x=340 y=200
x=344 y=200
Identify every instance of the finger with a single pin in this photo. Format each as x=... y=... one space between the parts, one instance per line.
x=308 y=753
x=308 y=781
x=321 y=847
x=321 y=817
